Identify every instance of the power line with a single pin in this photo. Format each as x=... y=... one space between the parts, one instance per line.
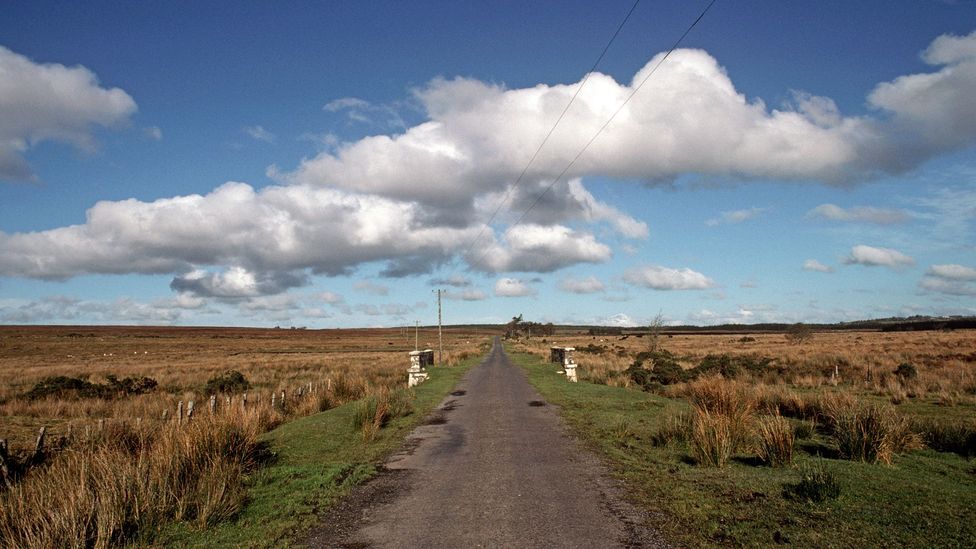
x=607 y=123
x=525 y=170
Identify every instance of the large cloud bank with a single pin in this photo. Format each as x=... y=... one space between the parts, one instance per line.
x=418 y=199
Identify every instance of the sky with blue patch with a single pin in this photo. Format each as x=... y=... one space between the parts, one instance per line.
x=332 y=164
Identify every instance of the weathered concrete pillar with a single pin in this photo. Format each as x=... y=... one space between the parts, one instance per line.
x=415 y=373
x=569 y=364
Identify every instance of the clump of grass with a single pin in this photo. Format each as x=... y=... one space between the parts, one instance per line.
x=804 y=429
x=675 y=428
x=816 y=485
x=872 y=434
x=946 y=435
x=375 y=411
x=712 y=441
x=730 y=400
x=775 y=440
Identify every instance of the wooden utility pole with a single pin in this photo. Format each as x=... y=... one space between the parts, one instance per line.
x=440 y=337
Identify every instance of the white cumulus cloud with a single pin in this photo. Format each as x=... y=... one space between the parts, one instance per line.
x=816 y=266
x=588 y=285
x=539 y=248
x=665 y=278
x=51 y=102
x=950 y=279
x=513 y=287
x=883 y=257
x=953 y=272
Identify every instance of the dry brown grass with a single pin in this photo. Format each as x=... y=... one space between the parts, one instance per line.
x=845 y=383
x=127 y=481
x=121 y=467
x=945 y=360
x=183 y=359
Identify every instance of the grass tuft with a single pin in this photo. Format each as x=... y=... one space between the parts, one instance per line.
x=817 y=484
x=775 y=440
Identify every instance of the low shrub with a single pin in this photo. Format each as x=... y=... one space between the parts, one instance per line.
x=593 y=349
x=664 y=370
x=729 y=366
x=65 y=387
x=229 y=382
x=817 y=484
x=906 y=371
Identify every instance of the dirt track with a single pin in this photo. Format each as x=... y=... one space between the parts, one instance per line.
x=494 y=467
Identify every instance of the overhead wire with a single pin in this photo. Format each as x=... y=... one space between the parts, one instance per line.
x=605 y=124
x=545 y=140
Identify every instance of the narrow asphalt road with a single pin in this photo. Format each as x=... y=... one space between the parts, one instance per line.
x=495 y=467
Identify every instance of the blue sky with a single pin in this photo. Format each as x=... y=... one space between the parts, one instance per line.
x=331 y=164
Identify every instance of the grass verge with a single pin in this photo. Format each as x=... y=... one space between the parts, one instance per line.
x=923 y=499
x=319 y=458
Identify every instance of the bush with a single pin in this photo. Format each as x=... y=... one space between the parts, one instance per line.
x=65 y=387
x=664 y=370
x=906 y=371
x=775 y=440
x=229 y=382
x=817 y=484
x=730 y=367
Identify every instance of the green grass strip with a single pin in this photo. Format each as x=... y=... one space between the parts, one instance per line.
x=925 y=499
x=319 y=459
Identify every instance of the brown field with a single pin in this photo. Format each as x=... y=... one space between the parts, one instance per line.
x=181 y=360
x=864 y=361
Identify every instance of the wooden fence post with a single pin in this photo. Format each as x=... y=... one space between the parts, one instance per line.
x=38 y=455
x=4 y=468
x=272 y=400
x=244 y=401
x=179 y=413
x=189 y=411
x=213 y=404
x=282 y=399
